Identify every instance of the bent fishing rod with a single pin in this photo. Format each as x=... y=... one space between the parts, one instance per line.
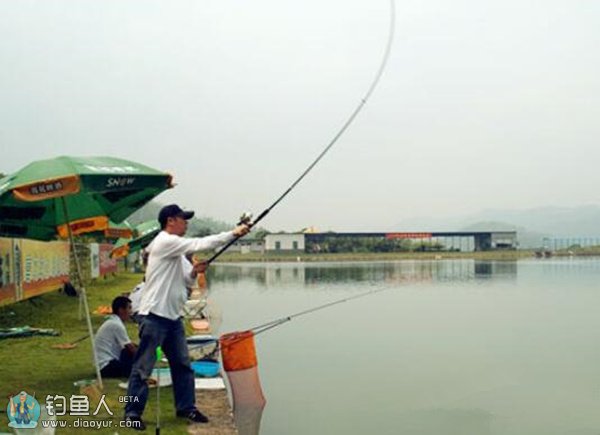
x=247 y=218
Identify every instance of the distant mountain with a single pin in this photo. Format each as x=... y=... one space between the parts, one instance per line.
x=582 y=221
x=532 y=225
x=146 y=213
x=198 y=226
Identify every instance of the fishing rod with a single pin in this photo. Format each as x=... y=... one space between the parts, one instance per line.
x=246 y=217
x=277 y=322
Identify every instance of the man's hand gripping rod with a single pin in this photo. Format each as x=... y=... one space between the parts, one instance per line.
x=245 y=219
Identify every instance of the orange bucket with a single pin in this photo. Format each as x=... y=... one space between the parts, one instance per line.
x=238 y=351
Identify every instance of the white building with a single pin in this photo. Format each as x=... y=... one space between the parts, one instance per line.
x=284 y=242
x=247 y=246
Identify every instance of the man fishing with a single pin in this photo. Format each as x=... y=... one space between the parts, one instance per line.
x=167 y=277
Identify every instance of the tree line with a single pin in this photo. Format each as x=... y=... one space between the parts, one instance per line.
x=372 y=244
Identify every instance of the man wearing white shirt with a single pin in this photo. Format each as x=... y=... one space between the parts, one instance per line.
x=165 y=291
x=114 y=349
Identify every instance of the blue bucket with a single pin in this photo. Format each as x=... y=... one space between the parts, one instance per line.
x=206 y=369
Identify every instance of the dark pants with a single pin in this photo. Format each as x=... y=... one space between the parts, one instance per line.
x=120 y=368
x=170 y=336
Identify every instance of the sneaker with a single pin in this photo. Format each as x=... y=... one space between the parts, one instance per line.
x=133 y=422
x=194 y=416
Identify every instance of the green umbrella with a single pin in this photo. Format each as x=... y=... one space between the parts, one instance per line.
x=74 y=195
x=118 y=231
x=94 y=189
x=144 y=233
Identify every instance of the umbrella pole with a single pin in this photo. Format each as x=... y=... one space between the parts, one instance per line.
x=83 y=293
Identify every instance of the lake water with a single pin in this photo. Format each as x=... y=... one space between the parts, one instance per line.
x=451 y=347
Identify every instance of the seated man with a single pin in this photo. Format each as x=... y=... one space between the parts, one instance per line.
x=114 y=349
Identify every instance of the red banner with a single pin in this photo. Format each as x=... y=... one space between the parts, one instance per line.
x=391 y=236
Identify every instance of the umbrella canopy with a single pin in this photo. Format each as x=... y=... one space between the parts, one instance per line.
x=118 y=231
x=95 y=189
x=74 y=195
x=144 y=234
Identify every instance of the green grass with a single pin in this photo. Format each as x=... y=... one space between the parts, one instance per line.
x=30 y=364
x=578 y=251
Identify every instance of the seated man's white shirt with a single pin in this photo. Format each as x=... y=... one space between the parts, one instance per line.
x=110 y=340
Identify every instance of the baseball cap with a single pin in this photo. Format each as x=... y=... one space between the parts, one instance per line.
x=172 y=210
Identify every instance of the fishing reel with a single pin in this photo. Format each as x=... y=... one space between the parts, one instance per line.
x=246 y=218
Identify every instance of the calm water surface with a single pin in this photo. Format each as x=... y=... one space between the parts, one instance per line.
x=452 y=347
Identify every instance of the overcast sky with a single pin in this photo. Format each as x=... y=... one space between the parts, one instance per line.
x=489 y=104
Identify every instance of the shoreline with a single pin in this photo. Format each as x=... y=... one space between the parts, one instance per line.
x=371 y=256
x=257 y=257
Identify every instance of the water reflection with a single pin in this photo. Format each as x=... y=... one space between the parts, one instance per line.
x=474 y=347
x=309 y=274
x=560 y=266
x=446 y=421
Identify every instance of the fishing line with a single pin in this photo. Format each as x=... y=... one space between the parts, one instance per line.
x=259 y=329
x=339 y=133
x=278 y=322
